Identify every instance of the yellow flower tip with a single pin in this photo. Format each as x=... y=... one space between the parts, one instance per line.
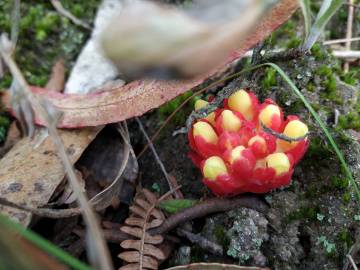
x=236 y=153
x=240 y=101
x=296 y=129
x=230 y=122
x=279 y=162
x=267 y=113
x=259 y=139
x=205 y=130
x=211 y=118
x=200 y=103
x=214 y=167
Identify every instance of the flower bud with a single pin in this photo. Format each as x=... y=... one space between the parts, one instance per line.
x=199 y=104
x=293 y=129
x=205 y=131
x=236 y=153
x=214 y=167
x=262 y=144
x=242 y=102
x=228 y=121
x=242 y=162
x=279 y=162
x=271 y=116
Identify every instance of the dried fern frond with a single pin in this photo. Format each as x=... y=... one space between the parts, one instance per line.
x=142 y=251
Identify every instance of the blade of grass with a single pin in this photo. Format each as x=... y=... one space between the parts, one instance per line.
x=44 y=244
x=327 y=10
x=306 y=11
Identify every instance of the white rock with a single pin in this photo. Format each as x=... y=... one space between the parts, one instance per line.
x=92 y=69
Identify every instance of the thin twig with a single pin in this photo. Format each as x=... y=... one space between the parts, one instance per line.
x=355 y=6
x=352 y=252
x=349 y=29
x=59 y=7
x=157 y=158
x=207 y=207
x=341 y=40
x=94 y=233
x=282 y=136
x=351 y=260
x=203 y=242
x=346 y=54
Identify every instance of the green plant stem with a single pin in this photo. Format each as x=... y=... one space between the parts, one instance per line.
x=44 y=244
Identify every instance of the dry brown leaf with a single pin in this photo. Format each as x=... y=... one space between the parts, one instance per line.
x=137 y=232
x=138 y=222
x=31 y=170
x=140 y=96
x=148 y=248
x=214 y=266
x=142 y=252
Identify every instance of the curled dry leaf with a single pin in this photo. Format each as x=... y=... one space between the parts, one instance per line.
x=142 y=252
x=214 y=266
x=140 y=96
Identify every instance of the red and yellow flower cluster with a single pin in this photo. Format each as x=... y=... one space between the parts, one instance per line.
x=236 y=155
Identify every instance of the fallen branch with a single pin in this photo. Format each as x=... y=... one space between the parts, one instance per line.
x=209 y=207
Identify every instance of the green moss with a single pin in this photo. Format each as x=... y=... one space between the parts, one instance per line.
x=318 y=52
x=352 y=77
x=346 y=197
x=339 y=182
x=305 y=212
x=269 y=78
x=293 y=43
x=165 y=110
x=345 y=237
x=311 y=87
x=328 y=81
x=45 y=35
x=221 y=237
x=318 y=149
x=350 y=120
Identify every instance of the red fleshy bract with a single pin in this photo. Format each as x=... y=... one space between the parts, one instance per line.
x=257 y=167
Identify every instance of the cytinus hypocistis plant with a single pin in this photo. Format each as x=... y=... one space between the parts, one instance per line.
x=235 y=153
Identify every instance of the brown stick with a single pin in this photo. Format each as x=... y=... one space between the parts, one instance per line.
x=208 y=207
